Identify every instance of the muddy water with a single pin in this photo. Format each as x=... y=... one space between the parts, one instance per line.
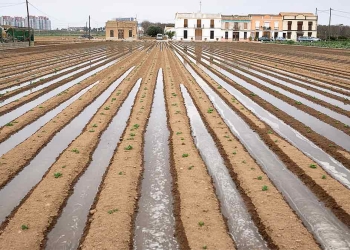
x=318 y=126
x=241 y=227
x=11 y=116
x=69 y=228
x=328 y=163
x=12 y=194
x=155 y=223
x=327 y=229
x=30 y=129
x=42 y=86
x=44 y=77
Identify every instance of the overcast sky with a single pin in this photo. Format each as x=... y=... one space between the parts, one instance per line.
x=64 y=13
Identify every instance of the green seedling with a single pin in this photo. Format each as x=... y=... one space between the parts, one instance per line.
x=24 y=227
x=269 y=132
x=113 y=99
x=298 y=103
x=205 y=247
x=132 y=134
x=75 y=151
x=129 y=147
x=136 y=126
x=313 y=166
x=64 y=166
x=120 y=173
x=9 y=124
x=190 y=167
x=107 y=108
x=234 y=153
x=95 y=125
x=57 y=175
x=210 y=110
x=244 y=162
x=184 y=155
x=219 y=87
x=259 y=178
x=113 y=211
x=201 y=223
x=178 y=133
x=324 y=177
x=91 y=130
x=264 y=188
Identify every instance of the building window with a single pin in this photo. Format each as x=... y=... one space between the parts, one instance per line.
x=227 y=25
x=276 y=25
x=130 y=33
x=300 y=26
x=289 y=35
x=120 y=34
x=245 y=26
x=185 y=34
x=211 y=23
x=309 y=34
x=310 y=25
x=185 y=23
x=199 y=23
x=111 y=33
x=212 y=34
x=257 y=25
x=236 y=26
x=289 y=25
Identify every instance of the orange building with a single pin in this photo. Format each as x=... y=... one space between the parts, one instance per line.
x=269 y=25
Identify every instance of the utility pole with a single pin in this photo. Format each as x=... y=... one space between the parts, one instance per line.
x=329 y=25
x=28 y=22
x=316 y=11
x=89 y=28
x=86 y=29
x=200 y=6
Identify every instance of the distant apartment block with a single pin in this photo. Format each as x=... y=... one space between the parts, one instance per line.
x=35 y=22
x=218 y=27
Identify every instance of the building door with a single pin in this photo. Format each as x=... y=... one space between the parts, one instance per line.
x=198 y=35
x=275 y=35
x=235 y=36
x=245 y=35
x=120 y=34
x=226 y=35
x=266 y=33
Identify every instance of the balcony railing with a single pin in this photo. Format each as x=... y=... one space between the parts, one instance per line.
x=266 y=28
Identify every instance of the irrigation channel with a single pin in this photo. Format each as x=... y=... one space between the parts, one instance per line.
x=241 y=226
x=318 y=126
x=154 y=225
x=328 y=163
x=14 y=192
x=69 y=228
x=327 y=229
x=11 y=116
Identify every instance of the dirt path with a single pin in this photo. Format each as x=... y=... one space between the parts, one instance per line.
x=198 y=203
x=41 y=213
x=115 y=229
x=281 y=228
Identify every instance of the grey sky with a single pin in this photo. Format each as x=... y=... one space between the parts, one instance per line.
x=75 y=12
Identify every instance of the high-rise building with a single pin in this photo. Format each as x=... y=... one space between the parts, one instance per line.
x=37 y=23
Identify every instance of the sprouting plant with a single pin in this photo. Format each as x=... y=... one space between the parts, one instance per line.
x=120 y=173
x=64 y=166
x=264 y=188
x=178 y=133
x=57 y=175
x=173 y=94
x=210 y=110
x=252 y=94
x=219 y=87
x=113 y=99
x=107 y=108
x=9 y=124
x=313 y=166
x=75 y=151
x=24 y=227
x=113 y=211
x=95 y=125
x=184 y=155
x=102 y=113
x=234 y=152
x=40 y=107
x=297 y=102
x=205 y=247
x=269 y=132
x=136 y=126
x=129 y=147
x=259 y=178
x=190 y=167
x=324 y=177
x=201 y=223
x=132 y=134
x=244 y=162
x=91 y=130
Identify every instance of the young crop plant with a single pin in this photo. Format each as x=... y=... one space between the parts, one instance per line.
x=57 y=175
x=107 y=108
x=184 y=155
x=95 y=125
x=132 y=134
x=210 y=110
x=219 y=87
x=324 y=177
x=136 y=126
x=264 y=188
x=129 y=147
x=259 y=178
x=113 y=211
x=24 y=227
x=313 y=166
x=10 y=124
x=75 y=151
x=297 y=102
x=178 y=133
x=201 y=223
x=190 y=167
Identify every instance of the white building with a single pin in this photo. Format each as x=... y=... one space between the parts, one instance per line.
x=198 y=27
x=299 y=24
x=235 y=27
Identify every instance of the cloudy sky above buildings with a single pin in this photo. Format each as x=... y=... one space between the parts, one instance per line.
x=64 y=13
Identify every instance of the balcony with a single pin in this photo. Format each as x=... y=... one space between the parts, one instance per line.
x=266 y=28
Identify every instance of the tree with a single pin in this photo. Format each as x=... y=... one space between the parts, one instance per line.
x=170 y=34
x=145 y=25
x=154 y=30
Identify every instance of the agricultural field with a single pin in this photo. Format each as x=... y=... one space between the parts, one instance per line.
x=171 y=145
